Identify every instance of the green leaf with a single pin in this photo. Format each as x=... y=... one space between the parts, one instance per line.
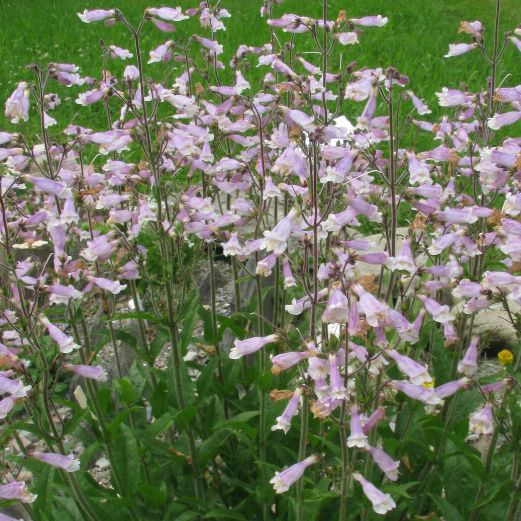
x=153 y=495
x=44 y=489
x=206 y=378
x=127 y=462
x=118 y=420
x=499 y=493
x=224 y=514
x=87 y=454
x=70 y=507
x=77 y=418
x=242 y=417
x=159 y=426
x=159 y=399
x=185 y=418
x=159 y=342
x=210 y=447
x=447 y=510
x=124 y=389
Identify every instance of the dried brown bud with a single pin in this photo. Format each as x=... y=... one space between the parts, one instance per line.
x=277 y=395
x=209 y=349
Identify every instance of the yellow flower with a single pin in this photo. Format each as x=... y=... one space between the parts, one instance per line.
x=505 y=357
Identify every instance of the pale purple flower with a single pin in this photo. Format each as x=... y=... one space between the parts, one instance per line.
x=48 y=185
x=370 y=21
x=284 y=421
x=118 y=52
x=95 y=15
x=448 y=389
x=337 y=389
x=168 y=13
x=416 y=372
x=13 y=387
x=289 y=279
x=6 y=405
x=455 y=49
x=68 y=214
x=469 y=364
x=289 y=359
x=212 y=45
x=443 y=242
x=385 y=462
x=418 y=103
x=376 y=312
x=482 y=421
x=276 y=239
x=404 y=260
x=67 y=463
x=112 y=286
x=16 y=490
x=348 y=38
x=266 y=265
x=376 y=416
x=418 y=392
x=94 y=372
x=283 y=480
x=382 y=503
x=17 y=105
x=356 y=437
x=232 y=246
x=65 y=342
x=440 y=313
x=500 y=120
x=337 y=308
x=162 y=53
x=452 y=97
x=162 y=26
x=493 y=387
x=251 y=345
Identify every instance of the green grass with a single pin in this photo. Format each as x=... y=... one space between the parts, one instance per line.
x=415 y=40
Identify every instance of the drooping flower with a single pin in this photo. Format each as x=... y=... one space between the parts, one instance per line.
x=416 y=372
x=68 y=463
x=482 y=421
x=382 y=503
x=469 y=364
x=251 y=345
x=65 y=342
x=284 y=421
x=356 y=437
x=95 y=15
x=385 y=462
x=283 y=480
x=17 y=490
x=94 y=372
x=337 y=309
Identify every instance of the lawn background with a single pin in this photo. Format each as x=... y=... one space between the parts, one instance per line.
x=415 y=40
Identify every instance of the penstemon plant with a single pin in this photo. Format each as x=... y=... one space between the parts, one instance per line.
x=359 y=387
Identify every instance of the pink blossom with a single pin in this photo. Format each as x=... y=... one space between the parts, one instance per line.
x=382 y=503
x=284 y=421
x=94 y=372
x=95 y=15
x=251 y=345
x=283 y=480
x=67 y=463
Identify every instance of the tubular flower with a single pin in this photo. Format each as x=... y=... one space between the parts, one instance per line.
x=382 y=503
x=251 y=345
x=67 y=463
x=283 y=480
x=284 y=421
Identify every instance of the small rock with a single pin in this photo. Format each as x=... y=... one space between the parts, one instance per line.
x=103 y=463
